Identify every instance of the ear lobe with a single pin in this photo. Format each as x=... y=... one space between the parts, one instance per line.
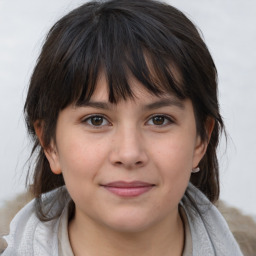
x=201 y=145
x=49 y=151
x=200 y=150
x=53 y=158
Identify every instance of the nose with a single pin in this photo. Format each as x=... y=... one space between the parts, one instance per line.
x=128 y=149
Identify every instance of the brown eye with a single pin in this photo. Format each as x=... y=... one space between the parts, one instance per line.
x=158 y=120
x=96 y=121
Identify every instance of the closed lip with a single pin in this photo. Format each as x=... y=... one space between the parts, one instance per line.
x=128 y=189
x=127 y=184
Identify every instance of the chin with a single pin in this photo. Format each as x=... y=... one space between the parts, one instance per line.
x=130 y=223
x=128 y=227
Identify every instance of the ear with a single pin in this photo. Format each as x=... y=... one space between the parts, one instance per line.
x=201 y=145
x=50 y=151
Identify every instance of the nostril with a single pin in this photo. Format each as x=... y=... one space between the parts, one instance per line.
x=138 y=163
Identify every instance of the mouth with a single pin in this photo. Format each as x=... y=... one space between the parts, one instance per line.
x=128 y=189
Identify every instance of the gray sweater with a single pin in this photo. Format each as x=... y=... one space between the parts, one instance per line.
x=209 y=231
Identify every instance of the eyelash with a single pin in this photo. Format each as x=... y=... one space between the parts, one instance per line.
x=89 y=119
x=167 y=121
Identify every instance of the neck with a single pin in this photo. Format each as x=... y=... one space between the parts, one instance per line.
x=90 y=239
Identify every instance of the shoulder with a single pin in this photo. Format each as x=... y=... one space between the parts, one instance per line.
x=8 y=211
x=28 y=235
x=242 y=226
x=209 y=230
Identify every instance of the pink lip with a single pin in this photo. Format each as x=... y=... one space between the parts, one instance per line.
x=128 y=189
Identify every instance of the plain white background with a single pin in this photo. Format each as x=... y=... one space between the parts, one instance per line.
x=228 y=27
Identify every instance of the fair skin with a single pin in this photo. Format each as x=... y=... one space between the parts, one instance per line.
x=126 y=167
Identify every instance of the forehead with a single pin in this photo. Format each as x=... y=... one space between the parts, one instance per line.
x=138 y=90
x=140 y=96
x=152 y=77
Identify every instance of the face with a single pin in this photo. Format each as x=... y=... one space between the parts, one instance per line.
x=126 y=166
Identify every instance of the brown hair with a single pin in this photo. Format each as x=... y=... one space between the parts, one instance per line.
x=121 y=37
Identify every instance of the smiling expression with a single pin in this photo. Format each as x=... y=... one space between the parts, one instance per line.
x=126 y=165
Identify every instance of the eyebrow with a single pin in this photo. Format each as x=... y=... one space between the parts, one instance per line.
x=95 y=104
x=165 y=103
x=154 y=105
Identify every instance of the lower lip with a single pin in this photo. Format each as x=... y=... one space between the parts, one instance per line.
x=128 y=192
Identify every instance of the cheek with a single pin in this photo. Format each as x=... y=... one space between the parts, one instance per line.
x=174 y=160
x=175 y=154
x=80 y=159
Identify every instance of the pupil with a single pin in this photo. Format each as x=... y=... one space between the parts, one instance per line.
x=158 y=120
x=97 y=120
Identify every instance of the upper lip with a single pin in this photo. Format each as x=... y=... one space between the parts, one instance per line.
x=126 y=184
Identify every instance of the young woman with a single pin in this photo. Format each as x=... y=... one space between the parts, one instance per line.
x=123 y=110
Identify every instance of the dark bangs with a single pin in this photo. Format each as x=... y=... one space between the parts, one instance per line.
x=119 y=42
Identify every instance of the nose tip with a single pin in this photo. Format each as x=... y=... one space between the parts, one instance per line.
x=136 y=164
x=128 y=152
